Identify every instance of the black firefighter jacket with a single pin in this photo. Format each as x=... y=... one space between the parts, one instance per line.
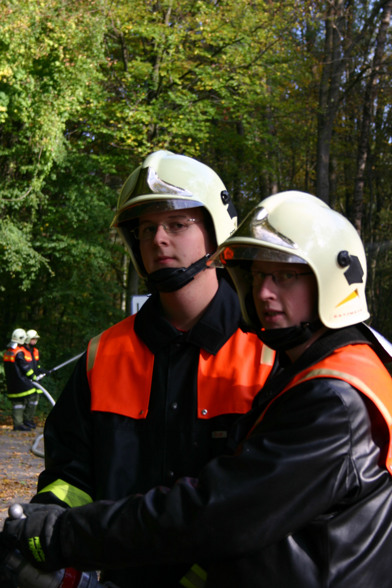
x=19 y=371
x=100 y=452
x=306 y=501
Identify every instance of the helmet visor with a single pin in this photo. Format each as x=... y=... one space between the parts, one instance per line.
x=234 y=253
x=146 y=192
x=151 y=204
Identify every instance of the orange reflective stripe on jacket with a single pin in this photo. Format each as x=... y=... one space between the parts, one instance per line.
x=360 y=366
x=226 y=382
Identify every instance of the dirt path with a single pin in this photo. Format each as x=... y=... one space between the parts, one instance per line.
x=19 y=467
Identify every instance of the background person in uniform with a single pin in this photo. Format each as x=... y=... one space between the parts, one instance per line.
x=156 y=395
x=19 y=374
x=39 y=372
x=306 y=501
x=31 y=345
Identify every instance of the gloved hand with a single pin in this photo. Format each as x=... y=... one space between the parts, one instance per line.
x=37 y=535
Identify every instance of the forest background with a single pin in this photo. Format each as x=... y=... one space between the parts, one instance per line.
x=272 y=95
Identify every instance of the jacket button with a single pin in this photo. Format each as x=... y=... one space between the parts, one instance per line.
x=174 y=406
x=204 y=411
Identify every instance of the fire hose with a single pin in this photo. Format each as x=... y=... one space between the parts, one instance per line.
x=61 y=365
x=38 y=439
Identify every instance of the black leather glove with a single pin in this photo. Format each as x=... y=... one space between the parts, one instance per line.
x=36 y=535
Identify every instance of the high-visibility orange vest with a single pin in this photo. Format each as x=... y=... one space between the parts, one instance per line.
x=360 y=366
x=9 y=354
x=226 y=382
x=18 y=384
x=27 y=355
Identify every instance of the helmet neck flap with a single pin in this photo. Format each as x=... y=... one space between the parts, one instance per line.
x=171 y=279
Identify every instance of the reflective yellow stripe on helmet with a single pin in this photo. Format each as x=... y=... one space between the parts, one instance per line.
x=195 y=578
x=67 y=493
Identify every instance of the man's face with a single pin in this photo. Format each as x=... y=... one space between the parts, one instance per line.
x=165 y=249
x=287 y=297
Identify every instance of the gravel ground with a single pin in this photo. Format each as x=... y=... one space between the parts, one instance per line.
x=19 y=466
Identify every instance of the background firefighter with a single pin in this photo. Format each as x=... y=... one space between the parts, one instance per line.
x=19 y=375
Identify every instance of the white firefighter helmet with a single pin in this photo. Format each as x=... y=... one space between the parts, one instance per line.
x=295 y=227
x=167 y=181
x=18 y=336
x=31 y=334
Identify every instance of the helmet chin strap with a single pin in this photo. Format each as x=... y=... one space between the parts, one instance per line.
x=170 y=279
x=281 y=339
x=289 y=337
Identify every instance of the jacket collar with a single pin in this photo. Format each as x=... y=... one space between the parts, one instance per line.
x=220 y=320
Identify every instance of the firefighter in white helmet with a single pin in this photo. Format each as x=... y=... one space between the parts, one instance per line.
x=18 y=337
x=166 y=184
x=306 y=500
x=33 y=357
x=19 y=375
x=157 y=393
x=340 y=277
x=31 y=345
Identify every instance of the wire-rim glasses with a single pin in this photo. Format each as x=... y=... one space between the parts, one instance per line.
x=283 y=278
x=147 y=230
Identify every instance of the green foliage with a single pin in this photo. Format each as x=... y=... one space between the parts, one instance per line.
x=48 y=53
x=50 y=58
x=18 y=254
x=88 y=88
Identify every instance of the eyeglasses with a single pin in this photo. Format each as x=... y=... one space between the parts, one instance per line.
x=283 y=278
x=147 y=231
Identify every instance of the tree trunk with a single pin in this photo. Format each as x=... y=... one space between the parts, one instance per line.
x=329 y=94
x=368 y=114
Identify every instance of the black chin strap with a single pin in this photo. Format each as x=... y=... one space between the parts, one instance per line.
x=280 y=339
x=289 y=337
x=173 y=278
